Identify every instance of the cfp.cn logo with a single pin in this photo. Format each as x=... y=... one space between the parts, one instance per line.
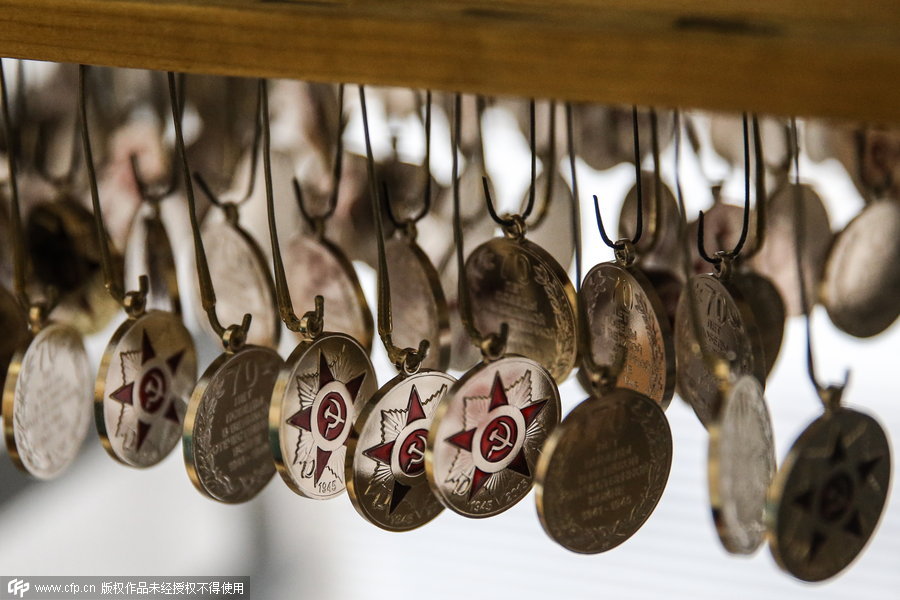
x=18 y=587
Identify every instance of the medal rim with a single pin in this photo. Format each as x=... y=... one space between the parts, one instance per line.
x=714 y=469
x=190 y=416
x=276 y=415
x=444 y=407
x=783 y=475
x=99 y=389
x=558 y=273
x=369 y=410
x=9 y=400
x=662 y=320
x=553 y=440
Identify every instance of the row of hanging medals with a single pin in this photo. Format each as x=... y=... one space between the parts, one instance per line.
x=426 y=441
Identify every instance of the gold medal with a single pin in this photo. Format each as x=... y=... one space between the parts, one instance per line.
x=515 y=281
x=741 y=464
x=826 y=500
x=224 y=436
x=629 y=332
x=862 y=277
x=729 y=330
x=46 y=392
x=487 y=434
x=47 y=401
x=829 y=494
x=386 y=452
x=326 y=380
x=385 y=464
x=603 y=471
x=768 y=310
x=149 y=366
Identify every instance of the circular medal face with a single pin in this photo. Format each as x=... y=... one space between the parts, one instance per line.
x=386 y=453
x=630 y=331
x=318 y=267
x=828 y=496
x=777 y=257
x=149 y=252
x=768 y=311
x=47 y=402
x=242 y=281
x=862 y=276
x=603 y=470
x=319 y=392
x=741 y=466
x=487 y=435
x=226 y=449
x=517 y=283
x=730 y=334
x=418 y=305
x=666 y=254
x=14 y=325
x=146 y=376
x=554 y=232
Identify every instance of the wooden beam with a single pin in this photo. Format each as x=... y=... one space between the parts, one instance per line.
x=819 y=58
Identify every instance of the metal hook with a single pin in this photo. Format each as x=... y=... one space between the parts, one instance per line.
x=492 y=345
x=514 y=222
x=745 y=226
x=317 y=222
x=409 y=222
x=234 y=337
x=19 y=253
x=550 y=166
x=761 y=200
x=717 y=365
x=403 y=358
x=66 y=180
x=655 y=222
x=313 y=322
x=576 y=212
x=830 y=394
x=113 y=284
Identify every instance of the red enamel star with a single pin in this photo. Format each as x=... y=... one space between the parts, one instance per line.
x=383 y=452
x=498 y=438
x=324 y=420
x=153 y=388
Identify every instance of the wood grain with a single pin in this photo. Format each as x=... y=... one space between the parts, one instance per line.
x=819 y=58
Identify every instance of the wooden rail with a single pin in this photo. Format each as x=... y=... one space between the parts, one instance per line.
x=825 y=58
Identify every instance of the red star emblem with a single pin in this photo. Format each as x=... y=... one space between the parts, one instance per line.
x=151 y=388
x=329 y=417
x=411 y=450
x=498 y=442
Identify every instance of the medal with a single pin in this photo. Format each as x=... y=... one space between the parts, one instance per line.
x=149 y=366
x=386 y=451
x=862 y=278
x=318 y=267
x=726 y=325
x=46 y=392
x=225 y=441
x=605 y=467
x=238 y=265
x=741 y=464
x=830 y=492
x=488 y=430
x=514 y=281
x=320 y=388
x=628 y=327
